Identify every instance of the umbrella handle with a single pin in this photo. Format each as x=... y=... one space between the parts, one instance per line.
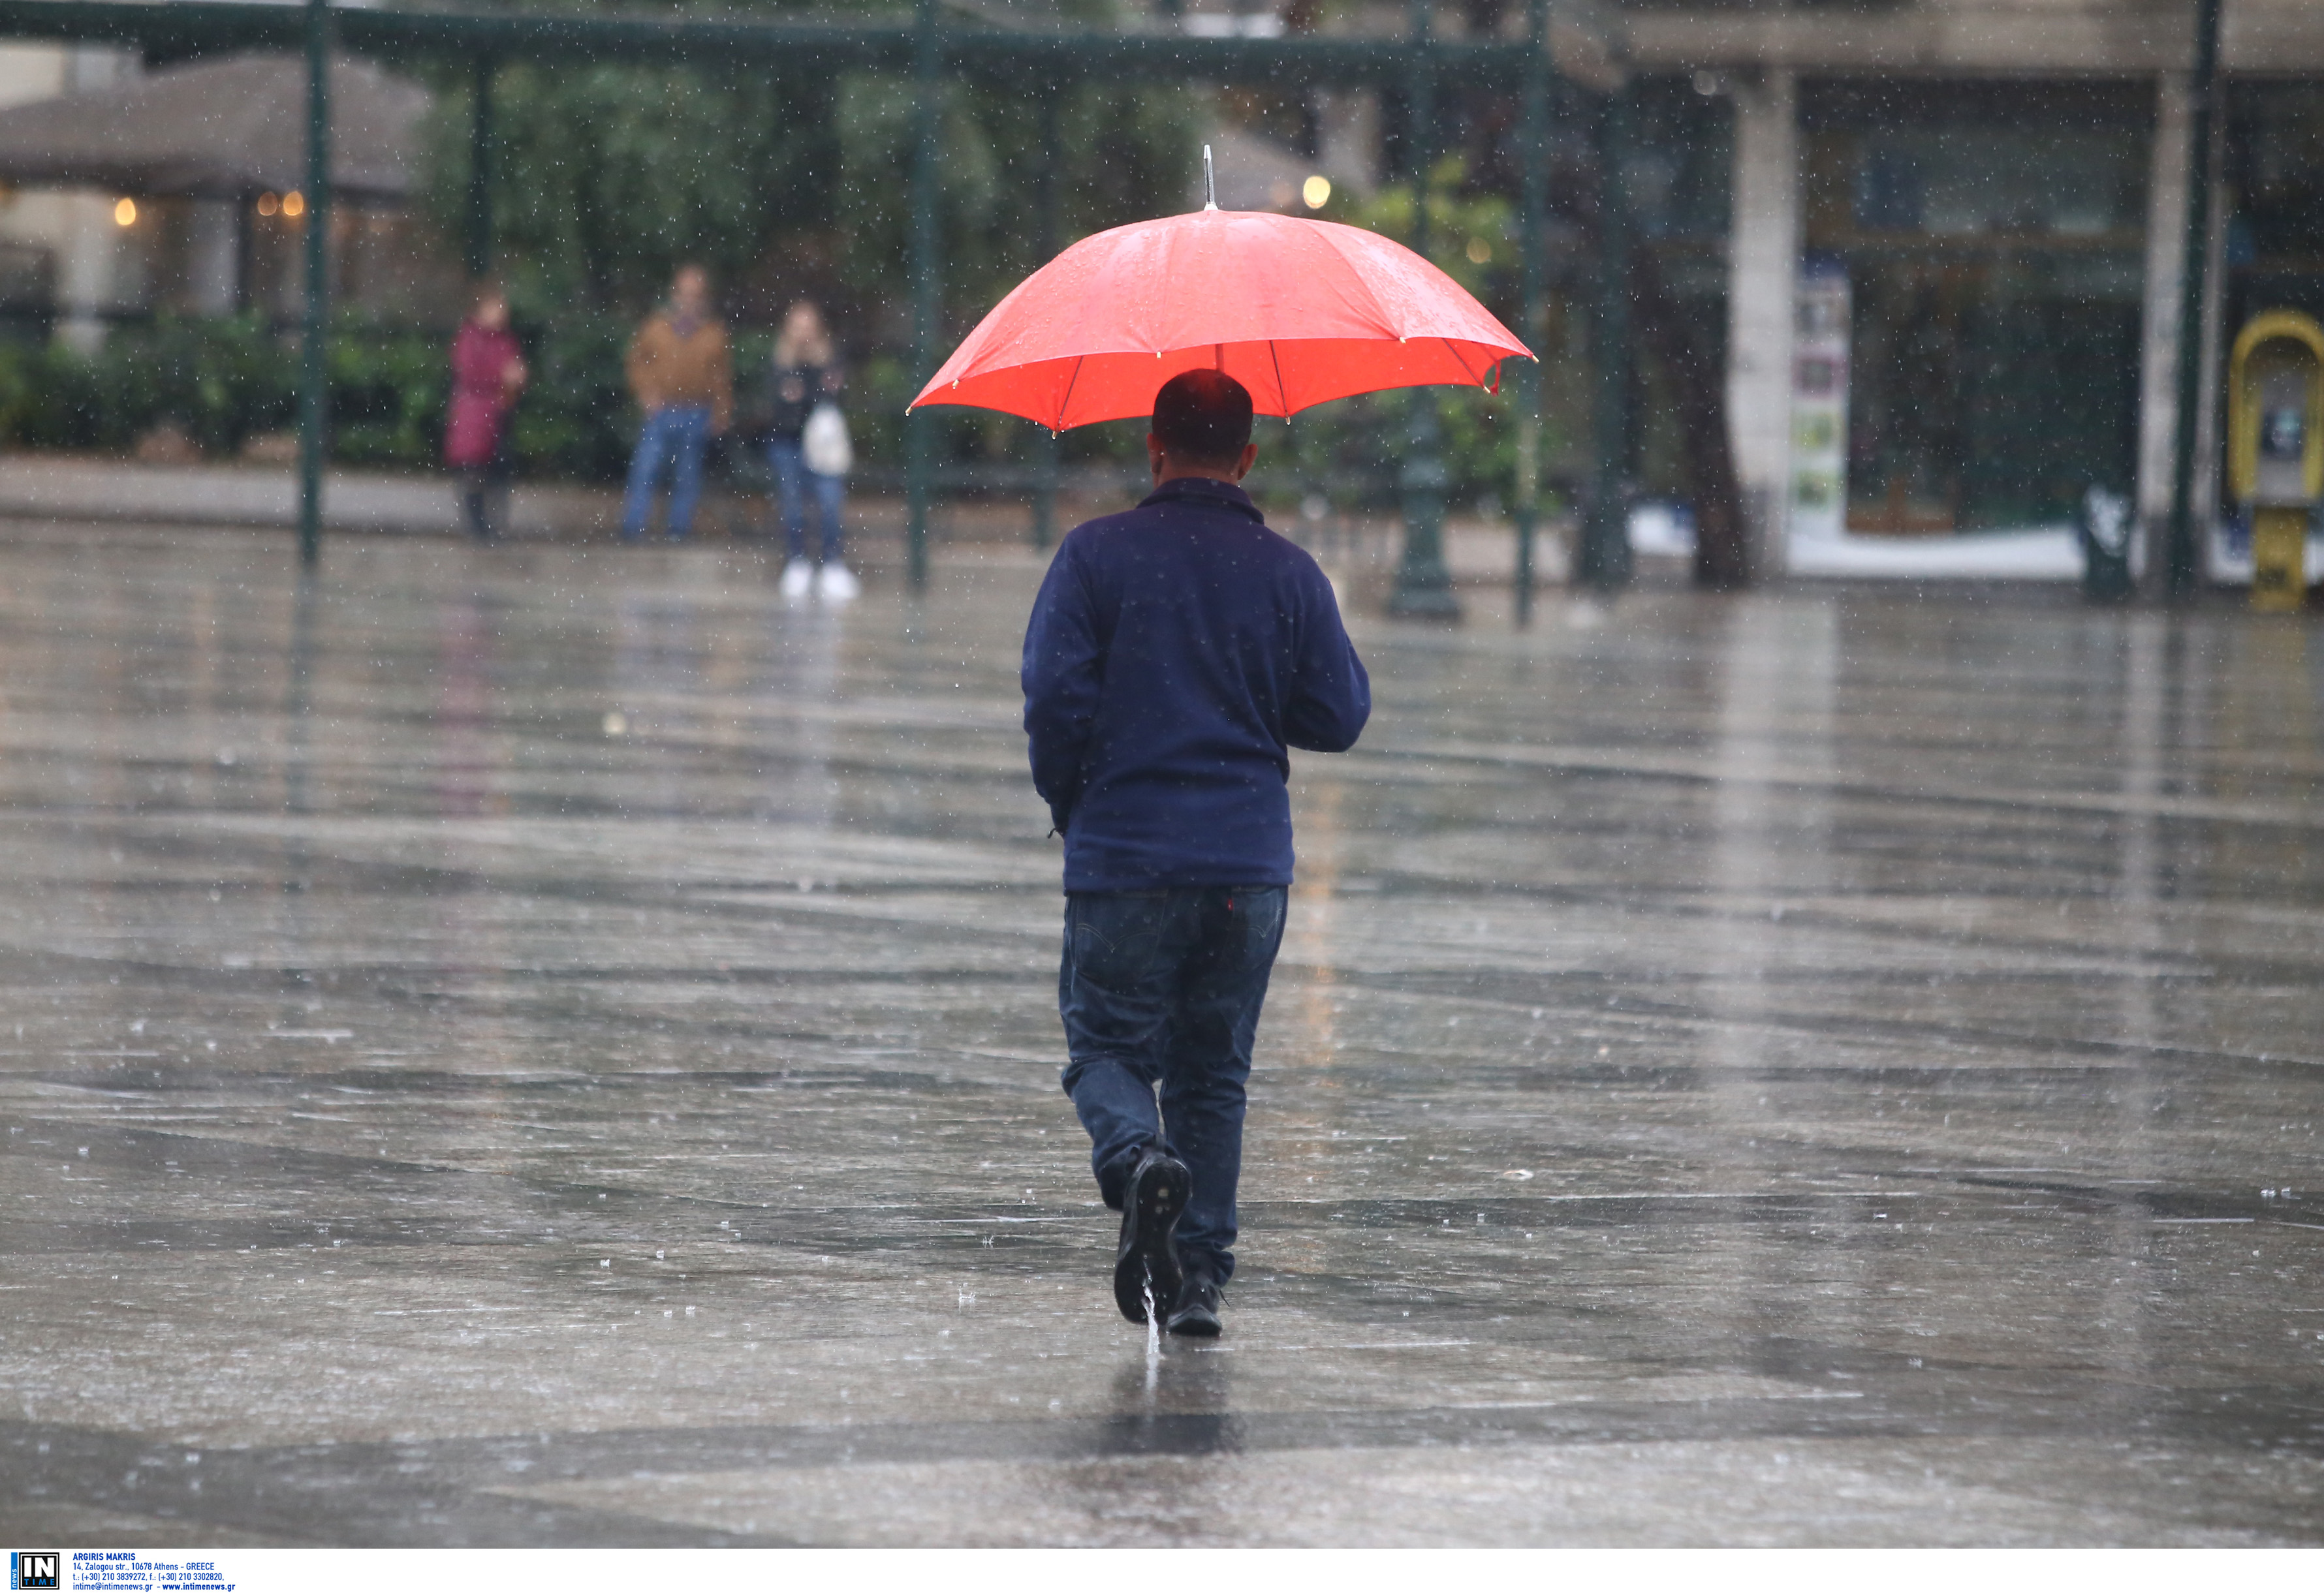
x=1209 y=184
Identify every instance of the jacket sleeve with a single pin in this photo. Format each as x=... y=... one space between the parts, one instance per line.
x=1064 y=673
x=1332 y=694
x=638 y=368
x=722 y=384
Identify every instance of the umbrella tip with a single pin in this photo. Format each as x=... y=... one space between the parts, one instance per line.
x=1210 y=182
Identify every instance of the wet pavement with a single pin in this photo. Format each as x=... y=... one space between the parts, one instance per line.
x=551 y=1045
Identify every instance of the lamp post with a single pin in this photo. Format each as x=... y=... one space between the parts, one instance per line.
x=1605 y=554
x=1424 y=585
x=479 y=169
x=1533 y=200
x=314 y=398
x=1046 y=233
x=927 y=63
x=2181 y=566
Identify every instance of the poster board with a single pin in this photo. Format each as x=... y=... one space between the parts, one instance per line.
x=1818 y=511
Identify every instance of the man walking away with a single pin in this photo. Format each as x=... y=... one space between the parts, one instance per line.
x=683 y=379
x=1175 y=654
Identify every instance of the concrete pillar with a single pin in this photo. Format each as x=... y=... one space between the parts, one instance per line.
x=2166 y=212
x=96 y=271
x=214 y=257
x=2209 y=420
x=90 y=267
x=2158 y=398
x=1762 y=280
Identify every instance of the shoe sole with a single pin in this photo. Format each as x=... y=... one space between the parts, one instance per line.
x=1155 y=1204
x=1196 y=1323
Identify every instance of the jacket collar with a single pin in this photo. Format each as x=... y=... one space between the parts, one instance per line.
x=1205 y=493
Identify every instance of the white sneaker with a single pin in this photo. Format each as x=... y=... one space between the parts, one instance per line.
x=799 y=575
x=837 y=584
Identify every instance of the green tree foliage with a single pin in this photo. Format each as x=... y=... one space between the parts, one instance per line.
x=1349 y=450
x=788 y=181
x=219 y=381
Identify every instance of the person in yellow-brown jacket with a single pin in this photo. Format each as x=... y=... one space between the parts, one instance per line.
x=683 y=378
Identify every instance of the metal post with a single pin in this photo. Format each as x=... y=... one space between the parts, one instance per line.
x=245 y=203
x=927 y=64
x=1605 y=554
x=2180 y=563
x=1424 y=585
x=314 y=399
x=1048 y=231
x=480 y=169
x=1532 y=201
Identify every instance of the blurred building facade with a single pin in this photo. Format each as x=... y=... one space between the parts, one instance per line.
x=59 y=247
x=2001 y=185
x=1989 y=195
x=131 y=190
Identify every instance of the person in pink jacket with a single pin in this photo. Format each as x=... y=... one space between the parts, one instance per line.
x=488 y=374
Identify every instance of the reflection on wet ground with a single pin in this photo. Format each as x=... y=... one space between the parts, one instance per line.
x=553 y=1046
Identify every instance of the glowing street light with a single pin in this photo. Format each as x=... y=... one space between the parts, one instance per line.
x=294 y=203
x=124 y=213
x=1315 y=192
x=267 y=205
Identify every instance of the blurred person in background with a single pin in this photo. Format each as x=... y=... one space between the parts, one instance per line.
x=683 y=378
x=803 y=391
x=488 y=374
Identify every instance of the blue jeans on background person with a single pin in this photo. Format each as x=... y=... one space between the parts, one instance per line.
x=1161 y=990
x=671 y=440
x=791 y=476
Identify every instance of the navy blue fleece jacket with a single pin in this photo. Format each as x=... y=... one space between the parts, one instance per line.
x=1177 y=653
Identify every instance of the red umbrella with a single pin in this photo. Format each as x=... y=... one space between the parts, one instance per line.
x=1299 y=312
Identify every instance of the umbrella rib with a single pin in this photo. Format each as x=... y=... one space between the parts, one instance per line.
x=1454 y=350
x=1381 y=316
x=1282 y=393
x=1068 y=396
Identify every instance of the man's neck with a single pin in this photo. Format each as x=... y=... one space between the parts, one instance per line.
x=1195 y=474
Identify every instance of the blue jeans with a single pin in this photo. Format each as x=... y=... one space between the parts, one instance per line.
x=1162 y=990
x=671 y=440
x=791 y=474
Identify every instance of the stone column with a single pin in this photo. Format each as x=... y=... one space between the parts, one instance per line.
x=1763 y=278
x=88 y=256
x=2158 y=364
x=214 y=257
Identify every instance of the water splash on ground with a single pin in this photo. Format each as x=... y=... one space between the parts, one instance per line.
x=1153 y=1339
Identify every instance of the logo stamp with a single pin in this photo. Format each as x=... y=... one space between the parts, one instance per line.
x=34 y=1570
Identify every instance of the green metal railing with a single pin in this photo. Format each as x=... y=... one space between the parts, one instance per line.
x=931 y=50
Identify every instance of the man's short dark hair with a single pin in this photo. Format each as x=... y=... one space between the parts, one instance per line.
x=1202 y=418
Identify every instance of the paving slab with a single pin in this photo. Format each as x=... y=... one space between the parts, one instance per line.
x=555 y=1046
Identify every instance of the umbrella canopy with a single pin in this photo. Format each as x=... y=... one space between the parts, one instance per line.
x=1299 y=312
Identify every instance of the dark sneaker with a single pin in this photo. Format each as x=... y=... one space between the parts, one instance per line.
x=1152 y=1198
x=1197 y=1310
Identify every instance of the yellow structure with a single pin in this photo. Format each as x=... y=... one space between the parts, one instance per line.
x=2275 y=446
